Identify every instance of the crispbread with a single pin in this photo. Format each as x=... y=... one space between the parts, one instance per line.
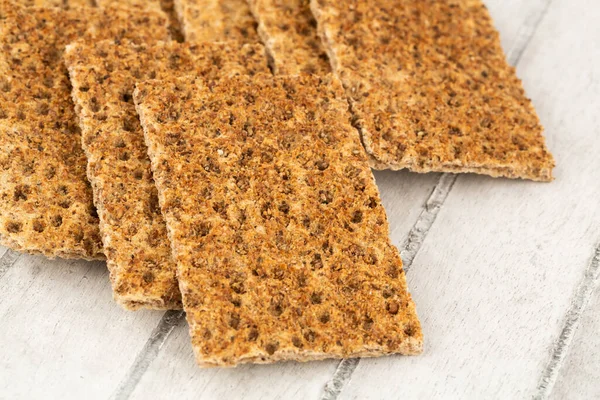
x=46 y=202
x=56 y=3
x=279 y=235
x=430 y=87
x=133 y=231
x=168 y=7
x=289 y=32
x=216 y=20
x=153 y=5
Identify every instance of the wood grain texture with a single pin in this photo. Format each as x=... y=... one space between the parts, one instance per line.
x=62 y=335
x=502 y=263
x=580 y=375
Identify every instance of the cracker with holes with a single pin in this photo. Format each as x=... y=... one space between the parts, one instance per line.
x=133 y=231
x=276 y=224
x=46 y=201
x=430 y=87
x=216 y=20
x=289 y=32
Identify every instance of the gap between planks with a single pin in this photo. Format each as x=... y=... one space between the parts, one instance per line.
x=157 y=339
x=418 y=233
x=7 y=260
x=589 y=283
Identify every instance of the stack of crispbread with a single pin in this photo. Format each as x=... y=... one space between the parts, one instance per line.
x=133 y=231
x=46 y=202
x=244 y=196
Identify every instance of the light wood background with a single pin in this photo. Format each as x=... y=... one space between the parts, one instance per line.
x=505 y=274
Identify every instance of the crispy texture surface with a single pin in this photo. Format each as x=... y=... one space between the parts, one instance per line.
x=276 y=224
x=289 y=32
x=430 y=87
x=153 y=5
x=216 y=20
x=133 y=230
x=168 y=6
x=46 y=201
x=55 y=3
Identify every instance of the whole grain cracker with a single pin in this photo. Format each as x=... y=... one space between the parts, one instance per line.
x=289 y=32
x=56 y=3
x=276 y=224
x=167 y=6
x=216 y=20
x=133 y=231
x=430 y=87
x=154 y=5
x=46 y=202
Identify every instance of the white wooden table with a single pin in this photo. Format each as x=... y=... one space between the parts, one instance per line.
x=505 y=274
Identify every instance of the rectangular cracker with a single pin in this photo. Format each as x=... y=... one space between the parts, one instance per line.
x=133 y=231
x=216 y=20
x=430 y=87
x=46 y=202
x=276 y=224
x=289 y=32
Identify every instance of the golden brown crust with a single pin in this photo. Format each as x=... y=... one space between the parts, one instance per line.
x=103 y=75
x=55 y=3
x=430 y=87
x=289 y=32
x=153 y=5
x=168 y=6
x=216 y=20
x=46 y=201
x=275 y=221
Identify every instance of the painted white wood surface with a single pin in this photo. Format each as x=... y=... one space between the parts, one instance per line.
x=580 y=375
x=501 y=266
x=497 y=274
x=61 y=334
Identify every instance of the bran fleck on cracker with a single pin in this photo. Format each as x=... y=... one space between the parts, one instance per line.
x=133 y=231
x=430 y=87
x=276 y=224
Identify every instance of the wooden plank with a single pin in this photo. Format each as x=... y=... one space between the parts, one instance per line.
x=62 y=335
x=578 y=373
x=172 y=370
x=503 y=261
